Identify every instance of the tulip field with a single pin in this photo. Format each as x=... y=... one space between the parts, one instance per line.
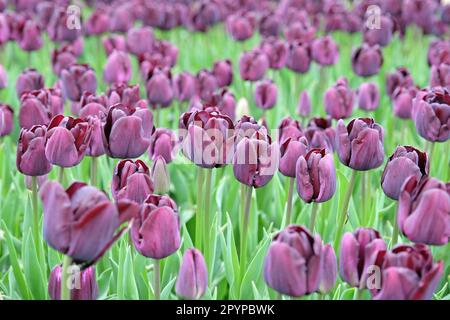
x=225 y=150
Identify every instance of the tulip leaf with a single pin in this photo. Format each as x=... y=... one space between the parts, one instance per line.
x=34 y=275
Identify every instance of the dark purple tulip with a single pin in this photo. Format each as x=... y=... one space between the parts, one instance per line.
x=445 y=14
x=368 y=96
x=97 y=23
x=304 y=105
x=44 y=12
x=30 y=36
x=203 y=16
x=423 y=213
x=316 y=176
x=399 y=78
x=131 y=180
x=266 y=94
x=225 y=101
x=240 y=26
x=405 y=162
x=339 y=100
x=114 y=42
x=329 y=269
x=92 y=105
x=223 y=71
x=163 y=144
x=184 y=86
x=359 y=251
x=300 y=32
x=359 y=145
x=6 y=119
x=293 y=264
x=289 y=128
x=160 y=176
x=253 y=65
x=438 y=52
x=431 y=114
x=321 y=134
x=39 y=107
x=127 y=131
x=299 y=57
x=87 y=290
x=117 y=68
x=57 y=28
x=402 y=100
x=192 y=280
x=67 y=140
x=62 y=58
x=440 y=75
x=128 y=95
x=206 y=84
x=381 y=36
x=77 y=79
x=81 y=221
x=276 y=51
x=167 y=51
x=4 y=29
x=419 y=12
x=156 y=230
x=122 y=17
x=291 y=148
x=367 y=60
x=96 y=147
x=325 y=51
x=140 y=40
x=31 y=159
x=29 y=80
x=270 y=25
x=409 y=273
x=159 y=88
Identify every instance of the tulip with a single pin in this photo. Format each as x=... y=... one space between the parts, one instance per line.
x=67 y=140
x=95 y=147
x=380 y=36
x=359 y=251
x=329 y=269
x=293 y=264
x=206 y=84
x=431 y=114
x=276 y=51
x=402 y=100
x=159 y=88
x=114 y=42
x=3 y=78
x=163 y=144
x=400 y=78
x=368 y=96
x=6 y=119
x=92 y=105
x=320 y=134
x=39 y=107
x=339 y=100
x=438 y=52
x=127 y=131
x=184 y=86
x=299 y=57
x=304 y=105
x=30 y=36
x=325 y=51
x=423 y=210
x=316 y=176
x=140 y=40
x=77 y=79
x=192 y=280
x=204 y=16
x=419 y=12
x=266 y=95
x=131 y=180
x=57 y=27
x=270 y=25
x=360 y=144
x=367 y=60
x=29 y=80
x=4 y=29
x=128 y=95
x=97 y=23
x=117 y=68
x=31 y=159
x=253 y=65
x=63 y=58
x=160 y=176
x=409 y=273
x=440 y=75
x=85 y=285
x=291 y=148
x=300 y=31
x=166 y=50
x=81 y=221
x=223 y=72
x=122 y=18
x=225 y=102
x=240 y=26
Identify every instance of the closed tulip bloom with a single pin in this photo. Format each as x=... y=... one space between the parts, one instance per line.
x=167 y=50
x=440 y=75
x=367 y=60
x=117 y=68
x=321 y=134
x=380 y=36
x=409 y=273
x=206 y=84
x=253 y=65
x=3 y=78
x=184 y=86
x=159 y=88
x=29 y=80
x=122 y=18
x=325 y=51
x=160 y=176
x=304 y=105
x=423 y=213
x=276 y=50
x=163 y=144
x=300 y=31
x=290 y=150
x=192 y=280
x=431 y=114
x=339 y=100
x=97 y=23
x=204 y=16
x=405 y=162
x=438 y=52
x=270 y=24
x=77 y=79
x=359 y=251
x=329 y=269
x=57 y=26
x=30 y=36
x=127 y=131
x=4 y=29
x=81 y=221
x=299 y=57
x=131 y=180
x=225 y=101
x=62 y=58
x=114 y=42
x=140 y=40
x=402 y=100
x=293 y=264
x=399 y=78
x=39 y=107
x=31 y=159
x=96 y=147
x=289 y=128
x=85 y=284
x=419 y=12
x=240 y=26
x=156 y=230
x=368 y=96
x=93 y=105
x=6 y=119
x=129 y=95
x=360 y=144
x=223 y=71
x=266 y=94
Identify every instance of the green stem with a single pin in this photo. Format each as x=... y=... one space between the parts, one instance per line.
x=34 y=202
x=94 y=171
x=343 y=213
x=157 y=279
x=395 y=231
x=358 y=294
x=207 y=213
x=363 y=195
x=198 y=218
x=312 y=220
x=61 y=175
x=244 y=235
x=65 y=288
x=289 y=201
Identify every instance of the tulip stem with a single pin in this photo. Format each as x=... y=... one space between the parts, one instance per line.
x=157 y=279
x=61 y=175
x=312 y=221
x=206 y=213
x=289 y=201
x=94 y=171
x=198 y=218
x=395 y=231
x=34 y=202
x=363 y=195
x=343 y=213
x=358 y=294
x=244 y=236
x=65 y=288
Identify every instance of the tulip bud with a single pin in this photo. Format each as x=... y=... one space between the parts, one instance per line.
x=368 y=96
x=95 y=147
x=329 y=269
x=97 y=23
x=223 y=72
x=38 y=107
x=84 y=284
x=117 y=68
x=225 y=102
x=163 y=144
x=3 y=78
x=114 y=42
x=206 y=84
x=93 y=105
x=29 y=80
x=140 y=40
x=367 y=60
x=360 y=144
x=299 y=57
x=339 y=100
x=77 y=79
x=192 y=280
x=122 y=17
x=438 y=52
x=325 y=51
x=160 y=176
x=321 y=134
x=402 y=100
x=270 y=25
x=159 y=88
x=382 y=35
x=253 y=65
x=399 y=78
x=128 y=95
x=184 y=86
x=240 y=26
x=30 y=36
x=62 y=58
x=440 y=75
x=57 y=26
x=304 y=105
x=300 y=31
x=276 y=51
x=405 y=162
x=266 y=95
x=6 y=119
x=31 y=159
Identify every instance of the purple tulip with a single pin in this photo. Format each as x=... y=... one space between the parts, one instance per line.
x=339 y=100
x=156 y=230
x=300 y=31
x=405 y=162
x=3 y=77
x=419 y=12
x=57 y=26
x=325 y=51
x=360 y=144
x=431 y=114
x=163 y=144
x=299 y=57
x=63 y=58
x=31 y=159
x=321 y=134
x=409 y=273
x=240 y=26
x=253 y=65
x=359 y=251
x=4 y=29
x=77 y=79
x=81 y=221
x=96 y=147
x=293 y=264
x=270 y=25
x=225 y=102
x=380 y=36
x=129 y=95
x=160 y=176
x=184 y=86
x=29 y=80
x=206 y=84
x=423 y=213
x=438 y=52
x=117 y=68
x=114 y=42
x=368 y=96
x=276 y=51
x=39 y=107
x=289 y=128
x=167 y=51
x=140 y=40
x=399 y=78
x=29 y=36
x=93 y=105
x=98 y=22
x=440 y=75
x=192 y=280
x=329 y=269
x=223 y=71
x=6 y=119
x=127 y=131
x=445 y=13
x=266 y=94
x=402 y=100
x=304 y=105
x=122 y=17
x=159 y=88
x=85 y=286
x=202 y=17
x=367 y=60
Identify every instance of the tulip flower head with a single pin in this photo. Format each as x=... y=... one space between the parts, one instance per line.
x=31 y=159
x=192 y=280
x=85 y=284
